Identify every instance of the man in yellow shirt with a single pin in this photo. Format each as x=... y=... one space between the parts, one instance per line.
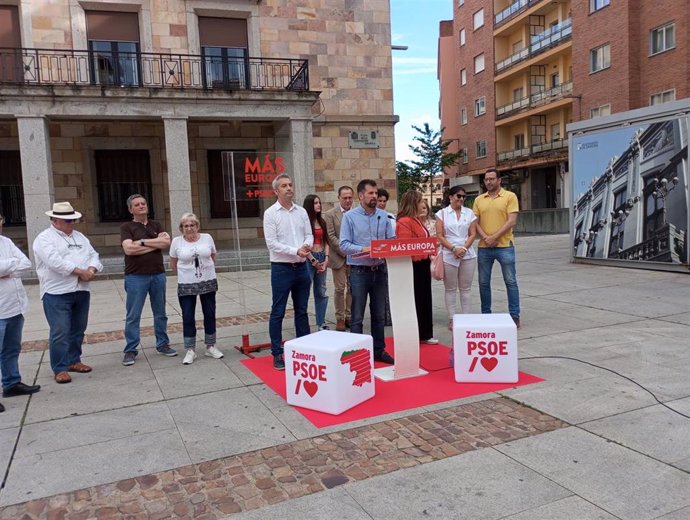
x=497 y=212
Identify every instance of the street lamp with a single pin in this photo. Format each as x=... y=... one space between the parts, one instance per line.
x=662 y=187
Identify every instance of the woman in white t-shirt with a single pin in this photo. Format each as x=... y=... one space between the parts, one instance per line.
x=456 y=229
x=193 y=257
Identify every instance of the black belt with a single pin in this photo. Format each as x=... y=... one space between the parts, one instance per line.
x=376 y=267
x=294 y=265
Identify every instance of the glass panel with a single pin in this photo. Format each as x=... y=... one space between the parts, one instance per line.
x=114 y=63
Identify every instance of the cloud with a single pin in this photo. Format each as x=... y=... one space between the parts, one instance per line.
x=407 y=65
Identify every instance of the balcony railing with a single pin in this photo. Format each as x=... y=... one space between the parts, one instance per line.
x=150 y=70
x=551 y=37
x=513 y=154
x=557 y=144
x=513 y=9
x=546 y=96
x=666 y=245
x=511 y=60
x=535 y=100
x=504 y=110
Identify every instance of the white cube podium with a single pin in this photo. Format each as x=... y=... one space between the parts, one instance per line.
x=329 y=371
x=485 y=348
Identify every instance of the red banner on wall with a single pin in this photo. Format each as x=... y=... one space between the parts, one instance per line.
x=403 y=247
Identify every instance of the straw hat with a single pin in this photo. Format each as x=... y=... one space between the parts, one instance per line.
x=63 y=210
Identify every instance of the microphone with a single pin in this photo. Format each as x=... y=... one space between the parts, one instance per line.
x=378 y=221
x=391 y=217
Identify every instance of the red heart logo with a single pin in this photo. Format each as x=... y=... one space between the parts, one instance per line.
x=311 y=387
x=489 y=363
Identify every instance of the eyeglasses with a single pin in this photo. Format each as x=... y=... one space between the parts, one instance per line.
x=459 y=196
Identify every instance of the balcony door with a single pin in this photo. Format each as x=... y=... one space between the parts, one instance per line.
x=10 y=45
x=224 y=46
x=114 y=48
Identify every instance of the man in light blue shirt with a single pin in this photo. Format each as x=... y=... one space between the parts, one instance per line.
x=368 y=276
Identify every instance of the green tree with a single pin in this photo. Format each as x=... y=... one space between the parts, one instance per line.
x=432 y=158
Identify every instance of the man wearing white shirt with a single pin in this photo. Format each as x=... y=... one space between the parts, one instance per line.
x=65 y=263
x=289 y=239
x=13 y=306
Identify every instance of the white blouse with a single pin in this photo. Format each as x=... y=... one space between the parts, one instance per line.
x=194 y=262
x=456 y=230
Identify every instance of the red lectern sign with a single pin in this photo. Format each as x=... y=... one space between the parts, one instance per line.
x=403 y=247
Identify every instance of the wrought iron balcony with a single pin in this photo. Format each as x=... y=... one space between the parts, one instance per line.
x=667 y=244
x=150 y=70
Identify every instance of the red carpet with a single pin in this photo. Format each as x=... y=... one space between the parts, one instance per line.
x=436 y=387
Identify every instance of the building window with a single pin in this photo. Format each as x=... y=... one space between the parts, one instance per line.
x=662 y=38
x=11 y=190
x=113 y=39
x=600 y=58
x=465 y=156
x=463 y=77
x=519 y=141
x=555 y=79
x=517 y=46
x=224 y=45
x=481 y=149
x=462 y=37
x=463 y=116
x=119 y=174
x=478 y=19
x=221 y=208
x=663 y=97
x=12 y=66
x=603 y=110
x=479 y=106
x=461 y=3
x=595 y=5
x=617 y=220
x=517 y=94
x=555 y=131
x=479 y=63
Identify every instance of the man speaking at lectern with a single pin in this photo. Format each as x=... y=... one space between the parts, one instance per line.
x=367 y=275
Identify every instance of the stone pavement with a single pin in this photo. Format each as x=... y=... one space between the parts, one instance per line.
x=163 y=440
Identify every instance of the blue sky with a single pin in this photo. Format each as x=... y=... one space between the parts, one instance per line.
x=415 y=87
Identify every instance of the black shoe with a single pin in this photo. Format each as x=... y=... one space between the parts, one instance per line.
x=384 y=357
x=278 y=362
x=2 y=408
x=21 y=389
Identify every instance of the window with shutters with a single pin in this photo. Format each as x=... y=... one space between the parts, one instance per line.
x=11 y=66
x=224 y=45
x=113 y=39
x=119 y=174
x=11 y=190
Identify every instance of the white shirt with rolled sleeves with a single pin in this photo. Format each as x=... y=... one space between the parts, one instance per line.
x=286 y=231
x=57 y=255
x=13 y=300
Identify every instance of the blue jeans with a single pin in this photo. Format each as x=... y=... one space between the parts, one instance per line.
x=137 y=286
x=208 y=307
x=288 y=279
x=372 y=283
x=485 y=261
x=10 y=345
x=68 y=316
x=320 y=296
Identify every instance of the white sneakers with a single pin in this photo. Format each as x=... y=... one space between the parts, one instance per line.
x=430 y=341
x=189 y=357
x=213 y=352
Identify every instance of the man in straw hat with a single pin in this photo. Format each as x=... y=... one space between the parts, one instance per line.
x=65 y=263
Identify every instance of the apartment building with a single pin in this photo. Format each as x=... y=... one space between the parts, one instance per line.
x=534 y=66
x=100 y=99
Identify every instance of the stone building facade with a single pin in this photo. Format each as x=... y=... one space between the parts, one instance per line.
x=102 y=98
